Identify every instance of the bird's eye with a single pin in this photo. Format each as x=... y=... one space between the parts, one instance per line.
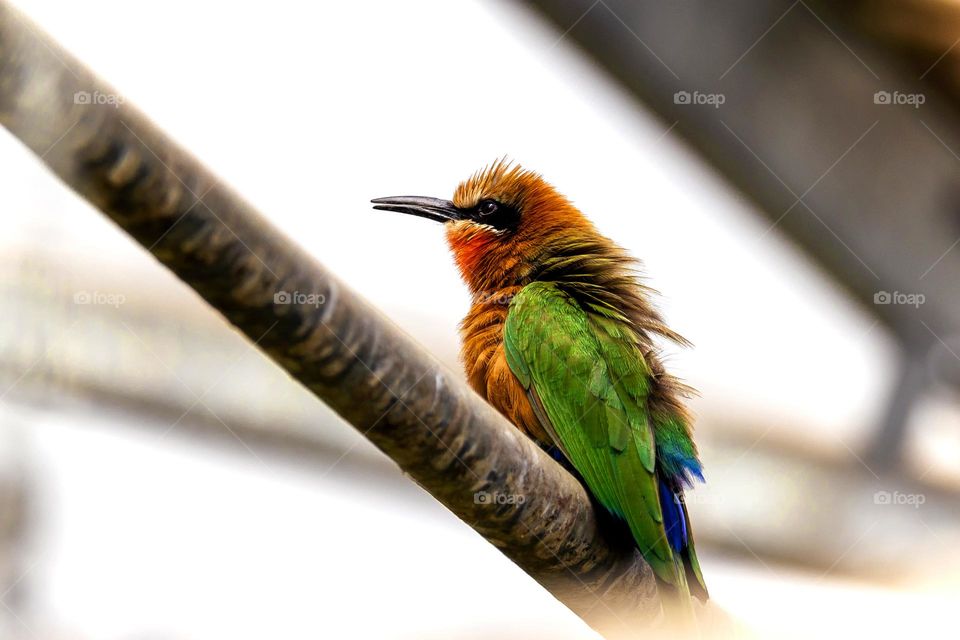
x=495 y=214
x=488 y=208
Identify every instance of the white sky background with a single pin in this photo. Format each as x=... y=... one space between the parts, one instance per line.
x=310 y=110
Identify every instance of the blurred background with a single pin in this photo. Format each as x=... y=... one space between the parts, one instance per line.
x=786 y=171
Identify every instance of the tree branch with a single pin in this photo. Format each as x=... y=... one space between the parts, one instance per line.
x=439 y=432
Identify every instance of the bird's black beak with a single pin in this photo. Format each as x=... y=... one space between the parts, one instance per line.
x=432 y=208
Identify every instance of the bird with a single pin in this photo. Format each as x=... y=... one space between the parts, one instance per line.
x=560 y=338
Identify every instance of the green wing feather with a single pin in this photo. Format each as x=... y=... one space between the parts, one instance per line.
x=589 y=382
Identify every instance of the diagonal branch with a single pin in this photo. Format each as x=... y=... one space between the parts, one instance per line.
x=438 y=431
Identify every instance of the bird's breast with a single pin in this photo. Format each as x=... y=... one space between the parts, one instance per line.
x=485 y=363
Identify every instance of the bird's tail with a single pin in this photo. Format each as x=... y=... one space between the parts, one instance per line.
x=677 y=597
x=679 y=616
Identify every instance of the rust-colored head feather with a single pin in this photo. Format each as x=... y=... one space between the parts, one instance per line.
x=491 y=257
x=502 y=180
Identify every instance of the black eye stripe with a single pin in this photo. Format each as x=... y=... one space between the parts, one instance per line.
x=495 y=214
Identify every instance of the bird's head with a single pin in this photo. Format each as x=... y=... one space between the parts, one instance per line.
x=501 y=224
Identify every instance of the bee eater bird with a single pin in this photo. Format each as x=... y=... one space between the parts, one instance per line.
x=560 y=340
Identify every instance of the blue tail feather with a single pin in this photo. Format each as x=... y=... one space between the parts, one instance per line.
x=674 y=519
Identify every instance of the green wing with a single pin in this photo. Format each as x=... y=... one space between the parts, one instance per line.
x=588 y=383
